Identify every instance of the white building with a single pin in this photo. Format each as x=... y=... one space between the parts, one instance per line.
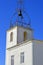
x=21 y=49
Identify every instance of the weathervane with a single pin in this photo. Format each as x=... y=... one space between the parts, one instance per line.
x=20 y=16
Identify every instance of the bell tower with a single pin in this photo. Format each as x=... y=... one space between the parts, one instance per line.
x=20 y=30
x=19 y=33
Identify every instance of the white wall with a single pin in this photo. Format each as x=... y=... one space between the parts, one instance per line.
x=26 y=48
x=14 y=42
x=7 y=58
x=37 y=53
x=20 y=33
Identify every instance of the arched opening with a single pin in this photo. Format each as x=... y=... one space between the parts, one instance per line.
x=11 y=37
x=25 y=36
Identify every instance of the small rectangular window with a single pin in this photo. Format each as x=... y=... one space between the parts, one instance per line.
x=12 y=60
x=22 y=57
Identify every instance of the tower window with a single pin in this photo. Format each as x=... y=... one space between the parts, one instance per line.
x=25 y=35
x=22 y=57
x=12 y=60
x=11 y=37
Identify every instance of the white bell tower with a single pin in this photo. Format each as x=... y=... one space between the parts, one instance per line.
x=17 y=35
x=21 y=31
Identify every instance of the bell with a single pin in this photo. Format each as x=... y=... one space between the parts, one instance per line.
x=20 y=13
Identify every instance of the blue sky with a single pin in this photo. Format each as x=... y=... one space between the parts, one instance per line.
x=7 y=7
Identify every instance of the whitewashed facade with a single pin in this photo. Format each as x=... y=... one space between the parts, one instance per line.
x=32 y=49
